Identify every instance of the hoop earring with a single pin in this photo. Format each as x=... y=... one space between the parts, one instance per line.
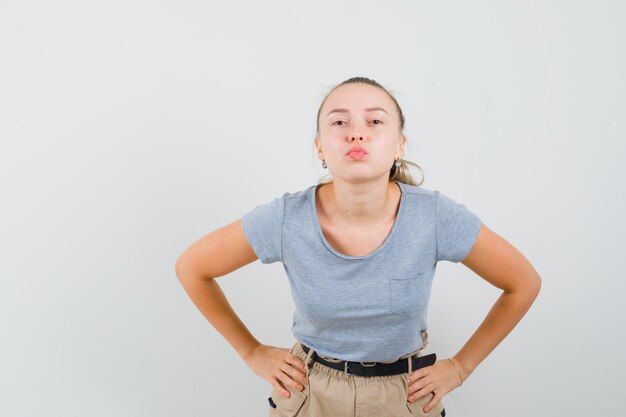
x=324 y=164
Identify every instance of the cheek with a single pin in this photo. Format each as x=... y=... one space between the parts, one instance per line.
x=383 y=149
x=335 y=146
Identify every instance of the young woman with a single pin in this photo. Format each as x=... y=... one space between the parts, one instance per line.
x=360 y=253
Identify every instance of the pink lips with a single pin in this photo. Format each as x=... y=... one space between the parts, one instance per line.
x=357 y=155
x=357 y=152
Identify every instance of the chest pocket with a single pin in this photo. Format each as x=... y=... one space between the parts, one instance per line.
x=405 y=294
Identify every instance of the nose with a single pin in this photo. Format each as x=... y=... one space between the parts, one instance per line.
x=356 y=133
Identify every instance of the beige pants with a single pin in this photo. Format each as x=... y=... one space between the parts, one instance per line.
x=334 y=393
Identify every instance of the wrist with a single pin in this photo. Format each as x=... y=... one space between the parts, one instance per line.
x=464 y=370
x=248 y=353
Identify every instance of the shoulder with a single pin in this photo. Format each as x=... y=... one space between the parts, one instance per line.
x=292 y=195
x=299 y=194
x=418 y=193
x=434 y=195
x=294 y=198
x=279 y=203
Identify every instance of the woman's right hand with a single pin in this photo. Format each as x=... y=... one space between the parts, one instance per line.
x=279 y=367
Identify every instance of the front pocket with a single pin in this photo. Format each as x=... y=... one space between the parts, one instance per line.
x=287 y=407
x=405 y=294
x=417 y=407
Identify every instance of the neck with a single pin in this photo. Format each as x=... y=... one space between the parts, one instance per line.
x=361 y=203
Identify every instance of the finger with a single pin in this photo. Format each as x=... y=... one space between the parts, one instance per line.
x=296 y=361
x=414 y=387
x=419 y=384
x=279 y=388
x=433 y=402
x=297 y=379
x=288 y=381
x=292 y=368
x=425 y=390
x=415 y=375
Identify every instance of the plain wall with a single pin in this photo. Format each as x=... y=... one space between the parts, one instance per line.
x=129 y=129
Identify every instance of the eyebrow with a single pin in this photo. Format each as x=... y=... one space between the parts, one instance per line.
x=340 y=110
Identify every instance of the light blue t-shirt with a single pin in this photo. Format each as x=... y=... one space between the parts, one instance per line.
x=362 y=308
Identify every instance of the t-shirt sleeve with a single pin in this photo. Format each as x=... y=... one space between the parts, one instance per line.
x=457 y=229
x=263 y=228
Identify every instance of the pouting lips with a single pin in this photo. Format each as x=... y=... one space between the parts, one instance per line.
x=357 y=155
x=356 y=152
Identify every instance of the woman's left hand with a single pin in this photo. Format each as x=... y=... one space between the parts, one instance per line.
x=439 y=378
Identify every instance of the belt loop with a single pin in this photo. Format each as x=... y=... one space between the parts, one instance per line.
x=409 y=372
x=424 y=339
x=306 y=361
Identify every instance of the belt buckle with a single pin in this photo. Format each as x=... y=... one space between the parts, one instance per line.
x=345 y=365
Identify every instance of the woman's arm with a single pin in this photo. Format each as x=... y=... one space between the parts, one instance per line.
x=498 y=262
x=216 y=254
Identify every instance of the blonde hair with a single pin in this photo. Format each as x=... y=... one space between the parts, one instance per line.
x=400 y=173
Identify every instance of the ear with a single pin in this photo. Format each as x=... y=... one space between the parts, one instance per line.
x=400 y=153
x=318 y=147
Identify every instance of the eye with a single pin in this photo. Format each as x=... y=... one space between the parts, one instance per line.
x=375 y=120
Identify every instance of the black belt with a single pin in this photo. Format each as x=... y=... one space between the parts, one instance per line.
x=377 y=368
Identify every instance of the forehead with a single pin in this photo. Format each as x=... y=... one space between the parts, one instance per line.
x=357 y=97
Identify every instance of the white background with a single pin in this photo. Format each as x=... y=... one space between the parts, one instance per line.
x=131 y=128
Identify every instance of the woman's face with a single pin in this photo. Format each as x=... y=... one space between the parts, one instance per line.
x=363 y=115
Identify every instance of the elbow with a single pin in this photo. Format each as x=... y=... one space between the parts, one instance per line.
x=179 y=267
x=532 y=288
x=185 y=270
x=527 y=288
x=537 y=285
x=538 y=280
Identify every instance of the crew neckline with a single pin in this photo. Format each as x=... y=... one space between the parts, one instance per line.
x=318 y=228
